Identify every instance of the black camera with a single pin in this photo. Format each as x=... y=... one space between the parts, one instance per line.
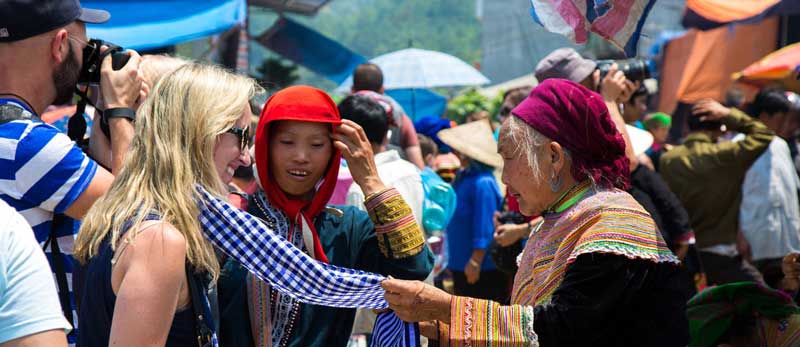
x=634 y=69
x=93 y=60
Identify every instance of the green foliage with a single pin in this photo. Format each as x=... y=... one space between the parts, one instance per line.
x=276 y=75
x=467 y=103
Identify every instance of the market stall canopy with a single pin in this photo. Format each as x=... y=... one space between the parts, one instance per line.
x=305 y=7
x=709 y=14
x=618 y=21
x=307 y=47
x=699 y=65
x=148 y=24
x=779 y=67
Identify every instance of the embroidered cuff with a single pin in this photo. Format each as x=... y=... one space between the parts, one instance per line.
x=477 y=322
x=399 y=235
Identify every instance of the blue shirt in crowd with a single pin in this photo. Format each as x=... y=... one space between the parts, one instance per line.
x=472 y=225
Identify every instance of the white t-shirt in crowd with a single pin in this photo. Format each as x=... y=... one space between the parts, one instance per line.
x=28 y=298
x=395 y=173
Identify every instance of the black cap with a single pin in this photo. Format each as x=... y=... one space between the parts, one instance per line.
x=27 y=18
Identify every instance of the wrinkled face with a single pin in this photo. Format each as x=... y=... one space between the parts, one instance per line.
x=228 y=154
x=531 y=192
x=299 y=153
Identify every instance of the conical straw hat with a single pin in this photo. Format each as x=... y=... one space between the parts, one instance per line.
x=475 y=140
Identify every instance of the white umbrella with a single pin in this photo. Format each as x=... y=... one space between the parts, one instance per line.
x=419 y=68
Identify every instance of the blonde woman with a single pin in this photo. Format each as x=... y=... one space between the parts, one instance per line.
x=141 y=244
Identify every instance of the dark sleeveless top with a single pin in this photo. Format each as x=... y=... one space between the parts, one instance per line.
x=97 y=305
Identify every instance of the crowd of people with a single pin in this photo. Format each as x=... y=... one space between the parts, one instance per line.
x=192 y=215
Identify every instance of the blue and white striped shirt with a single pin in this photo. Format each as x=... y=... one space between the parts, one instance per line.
x=43 y=172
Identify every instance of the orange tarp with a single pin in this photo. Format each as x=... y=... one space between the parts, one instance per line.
x=724 y=11
x=699 y=64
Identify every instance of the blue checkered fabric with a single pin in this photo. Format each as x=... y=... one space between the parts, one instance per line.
x=292 y=272
x=285 y=267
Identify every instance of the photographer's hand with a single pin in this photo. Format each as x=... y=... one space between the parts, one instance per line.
x=613 y=85
x=123 y=87
x=611 y=89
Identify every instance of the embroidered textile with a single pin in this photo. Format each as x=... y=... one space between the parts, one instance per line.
x=399 y=235
x=483 y=323
x=272 y=313
x=606 y=221
x=590 y=221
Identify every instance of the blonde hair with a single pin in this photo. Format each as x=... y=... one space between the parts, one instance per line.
x=176 y=132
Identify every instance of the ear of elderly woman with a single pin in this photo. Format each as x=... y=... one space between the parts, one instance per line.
x=596 y=254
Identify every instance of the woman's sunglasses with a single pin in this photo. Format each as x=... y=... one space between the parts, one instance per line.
x=244 y=137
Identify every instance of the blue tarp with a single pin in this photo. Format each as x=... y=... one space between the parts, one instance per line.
x=148 y=24
x=308 y=48
x=426 y=102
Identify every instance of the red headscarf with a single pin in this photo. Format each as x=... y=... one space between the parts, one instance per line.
x=578 y=119
x=306 y=104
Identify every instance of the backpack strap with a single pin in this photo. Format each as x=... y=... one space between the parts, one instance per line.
x=59 y=267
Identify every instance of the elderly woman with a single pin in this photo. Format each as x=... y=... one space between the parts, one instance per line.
x=595 y=271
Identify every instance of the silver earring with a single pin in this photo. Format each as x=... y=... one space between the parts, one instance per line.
x=555 y=183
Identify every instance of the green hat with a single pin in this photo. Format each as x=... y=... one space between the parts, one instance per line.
x=712 y=311
x=657 y=119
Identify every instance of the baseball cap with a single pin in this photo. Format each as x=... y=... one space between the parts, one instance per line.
x=564 y=63
x=27 y=18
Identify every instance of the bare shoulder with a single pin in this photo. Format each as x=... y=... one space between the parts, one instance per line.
x=154 y=241
x=160 y=232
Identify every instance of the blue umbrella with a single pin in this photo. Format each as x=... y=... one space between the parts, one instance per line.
x=419 y=68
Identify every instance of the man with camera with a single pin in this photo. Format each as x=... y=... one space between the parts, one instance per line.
x=44 y=174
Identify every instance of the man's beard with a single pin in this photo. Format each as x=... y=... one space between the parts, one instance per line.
x=65 y=77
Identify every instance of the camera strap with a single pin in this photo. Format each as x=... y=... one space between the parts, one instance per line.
x=76 y=127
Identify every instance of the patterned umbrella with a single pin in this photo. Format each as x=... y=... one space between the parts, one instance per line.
x=419 y=68
x=780 y=67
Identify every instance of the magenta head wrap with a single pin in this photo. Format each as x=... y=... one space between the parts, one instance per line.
x=577 y=118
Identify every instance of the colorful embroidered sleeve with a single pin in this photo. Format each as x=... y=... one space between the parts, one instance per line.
x=399 y=235
x=479 y=323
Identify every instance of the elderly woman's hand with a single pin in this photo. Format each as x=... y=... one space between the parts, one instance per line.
x=414 y=301
x=350 y=139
